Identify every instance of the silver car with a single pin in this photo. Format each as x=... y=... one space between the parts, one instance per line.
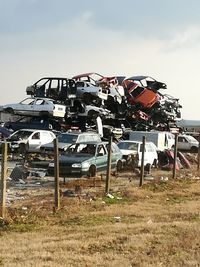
x=36 y=107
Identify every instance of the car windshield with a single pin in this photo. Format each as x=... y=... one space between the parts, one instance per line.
x=27 y=101
x=191 y=138
x=67 y=138
x=82 y=149
x=21 y=134
x=128 y=146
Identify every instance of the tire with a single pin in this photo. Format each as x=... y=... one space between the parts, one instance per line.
x=155 y=163
x=92 y=114
x=87 y=98
x=92 y=171
x=9 y=110
x=119 y=166
x=22 y=148
x=194 y=149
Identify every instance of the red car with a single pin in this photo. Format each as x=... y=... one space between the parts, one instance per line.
x=137 y=94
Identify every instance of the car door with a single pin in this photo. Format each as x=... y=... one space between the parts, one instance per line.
x=146 y=154
x=101 y=157
x=183 y=143
x=34 y=141
x=25 y=107
x=41 y=106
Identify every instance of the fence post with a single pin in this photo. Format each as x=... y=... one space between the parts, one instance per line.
x=56 y=175
x=107 y=189
x=3 y=179
x=175 y=156
x=142 y=161
x=198 y=156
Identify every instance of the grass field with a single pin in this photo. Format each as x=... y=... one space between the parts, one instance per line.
x=155 y=225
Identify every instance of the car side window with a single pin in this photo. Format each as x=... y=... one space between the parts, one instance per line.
x=101 y=151
x=181 y=139
x=149 y=148
x=36 y=136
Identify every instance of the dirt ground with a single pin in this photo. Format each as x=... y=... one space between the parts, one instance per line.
x=157 y=224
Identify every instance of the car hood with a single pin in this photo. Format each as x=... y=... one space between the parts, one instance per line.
x=74 y=158
x=60 y=145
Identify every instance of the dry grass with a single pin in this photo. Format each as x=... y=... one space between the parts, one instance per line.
x=156 y=225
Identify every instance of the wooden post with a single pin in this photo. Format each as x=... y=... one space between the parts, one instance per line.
x=142 y=161
x=198 y=156
x=107 y=189
x=175 y=156
x=56 y=175
x=3 y=179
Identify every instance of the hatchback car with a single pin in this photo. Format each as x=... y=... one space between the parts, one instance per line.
x=36 y=107
x=135 y=148
x=187 y=143
x=87 y=159
x=29 y=140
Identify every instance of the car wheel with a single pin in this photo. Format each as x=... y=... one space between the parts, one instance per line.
x=87 y=98
x=119 y=166
x=92 y=171
x=194 y=149
x=22 y=148
x=92 y=114
x=9 y=110
x=155 y=163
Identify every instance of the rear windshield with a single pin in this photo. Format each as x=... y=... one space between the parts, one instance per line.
x=128 y=146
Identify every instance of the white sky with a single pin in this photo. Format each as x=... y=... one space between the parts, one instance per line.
x=64 y=38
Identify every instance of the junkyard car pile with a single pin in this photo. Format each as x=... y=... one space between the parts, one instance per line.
x=89 y=102
x=62 y=103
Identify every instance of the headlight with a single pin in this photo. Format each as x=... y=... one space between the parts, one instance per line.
x=76 y=165
x=51 y=164
x=85 y=165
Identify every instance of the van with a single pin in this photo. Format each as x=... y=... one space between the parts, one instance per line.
x=128 y=147
x=29 y=140
x=163 y=140
x=187 y=143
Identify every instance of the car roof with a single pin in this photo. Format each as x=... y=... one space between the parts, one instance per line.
x=132 y=141
x=33 y=130
x=78 y=133
x=90 y=143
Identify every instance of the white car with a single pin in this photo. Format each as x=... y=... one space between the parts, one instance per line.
x=88 y=91
x=29 y=140
x=36 y=107
x=90 y=85
x=187 y=143
x=93 y=111
x=135 y=148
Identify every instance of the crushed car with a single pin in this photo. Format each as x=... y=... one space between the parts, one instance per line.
x=29 y=140
x=36 y=107
x=60 y=89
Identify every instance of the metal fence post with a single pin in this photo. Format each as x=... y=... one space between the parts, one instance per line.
x=142 y=161
x=56 y=175
x=175 y=156
x=198 y=156
x=107 y=189
x=3 y=180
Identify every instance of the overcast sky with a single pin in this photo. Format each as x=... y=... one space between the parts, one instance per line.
x=112 y=37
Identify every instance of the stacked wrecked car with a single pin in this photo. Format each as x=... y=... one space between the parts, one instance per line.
x=92 y=101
